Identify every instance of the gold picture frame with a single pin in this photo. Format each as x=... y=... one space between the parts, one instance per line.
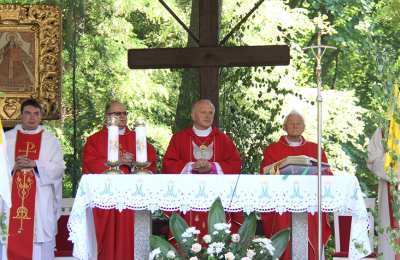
x=30 y=59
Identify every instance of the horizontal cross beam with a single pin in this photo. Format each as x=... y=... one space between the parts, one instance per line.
x=243 y=56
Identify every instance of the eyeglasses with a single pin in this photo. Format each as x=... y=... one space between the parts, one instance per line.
x=118 y=113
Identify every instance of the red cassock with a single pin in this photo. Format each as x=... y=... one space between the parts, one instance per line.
x=225 y=153
x=114 y=229
x=273 y=222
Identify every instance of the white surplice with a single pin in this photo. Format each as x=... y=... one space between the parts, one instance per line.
x=376 y=162
x=51 y=168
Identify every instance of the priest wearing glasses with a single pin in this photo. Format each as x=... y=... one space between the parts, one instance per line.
x=202 y=149
x=114 y=229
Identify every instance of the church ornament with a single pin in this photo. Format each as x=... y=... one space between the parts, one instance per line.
x=30 y=59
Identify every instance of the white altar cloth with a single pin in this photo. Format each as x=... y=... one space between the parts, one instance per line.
x=262 y=193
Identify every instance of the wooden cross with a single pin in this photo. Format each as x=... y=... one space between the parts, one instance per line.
x=209 y=56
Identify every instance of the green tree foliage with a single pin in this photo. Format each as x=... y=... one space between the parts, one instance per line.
x=357 y=78
x=252 y=99
x=97 y=35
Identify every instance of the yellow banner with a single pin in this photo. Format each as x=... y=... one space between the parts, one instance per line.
x=393 y=146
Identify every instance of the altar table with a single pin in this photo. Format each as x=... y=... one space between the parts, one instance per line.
x=185 y=192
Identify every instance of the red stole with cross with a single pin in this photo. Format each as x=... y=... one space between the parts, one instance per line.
x=23 y=195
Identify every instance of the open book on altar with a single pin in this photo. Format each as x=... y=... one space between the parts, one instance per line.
x=296 y=165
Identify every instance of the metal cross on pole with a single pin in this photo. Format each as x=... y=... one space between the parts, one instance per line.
x=318 y=51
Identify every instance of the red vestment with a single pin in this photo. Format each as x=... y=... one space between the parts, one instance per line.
x=23 y=197
x=114 y=229
x=273 y=222
x=225 y=153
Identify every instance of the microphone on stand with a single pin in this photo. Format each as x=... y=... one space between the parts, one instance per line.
x=233 y=195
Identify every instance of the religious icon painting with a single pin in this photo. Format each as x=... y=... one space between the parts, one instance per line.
x=30 y=59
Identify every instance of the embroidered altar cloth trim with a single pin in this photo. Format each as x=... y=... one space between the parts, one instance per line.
x=248 y=193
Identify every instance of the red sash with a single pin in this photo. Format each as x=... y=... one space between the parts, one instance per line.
x=23 y=195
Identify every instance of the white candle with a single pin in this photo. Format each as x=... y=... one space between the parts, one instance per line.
x=113 y=143
x=141 y=143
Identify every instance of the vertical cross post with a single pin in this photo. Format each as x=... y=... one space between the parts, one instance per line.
x=208 y=30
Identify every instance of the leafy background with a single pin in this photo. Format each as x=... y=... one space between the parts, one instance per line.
x=357 y=77
x=97 y=35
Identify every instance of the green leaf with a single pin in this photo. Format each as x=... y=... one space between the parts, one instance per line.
x=164 y=245
x=177 y=225
x=279 y=241
x=247 y=231
x=216 y=215
x=159 y=242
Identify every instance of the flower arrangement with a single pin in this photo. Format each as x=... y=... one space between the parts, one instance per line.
x=219 y=243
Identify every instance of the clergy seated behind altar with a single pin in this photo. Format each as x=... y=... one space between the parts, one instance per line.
x=294 y=144
x=37 y=170
x=202 y=149
x=114 y=229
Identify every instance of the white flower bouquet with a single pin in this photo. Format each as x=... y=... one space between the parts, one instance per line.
x=219 y=243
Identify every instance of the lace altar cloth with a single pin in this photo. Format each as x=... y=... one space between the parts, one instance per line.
x=248 y=193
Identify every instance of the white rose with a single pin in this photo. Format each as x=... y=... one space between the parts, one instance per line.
x=215 y=248
x=207 y=239
x=229 y=256
x=193 y=258
x=245 y=258
x=235 y=238
x=250 y=253
x=196 y=247
x=171 y=254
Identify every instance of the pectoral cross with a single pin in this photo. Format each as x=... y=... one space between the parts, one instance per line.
x=203 y=149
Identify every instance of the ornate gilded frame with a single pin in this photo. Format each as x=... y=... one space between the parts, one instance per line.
x=30 y=59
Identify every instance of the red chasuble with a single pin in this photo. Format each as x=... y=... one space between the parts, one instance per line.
x=114 y=229
x=23 y=194
x=183 y=148
x=273 y=222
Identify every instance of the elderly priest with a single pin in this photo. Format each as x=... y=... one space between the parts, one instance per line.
x=202 y=149
x=294 y=144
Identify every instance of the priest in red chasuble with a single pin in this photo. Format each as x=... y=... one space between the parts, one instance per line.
x=114 y=229
x=202 y=149
x=294 y=144
x=37 y=170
